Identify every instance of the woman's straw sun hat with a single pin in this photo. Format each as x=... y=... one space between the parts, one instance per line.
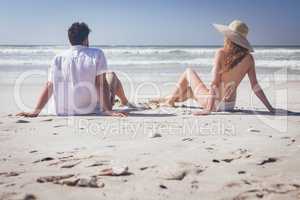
x=236 y=32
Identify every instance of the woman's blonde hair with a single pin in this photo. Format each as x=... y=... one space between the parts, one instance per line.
x=235 y=54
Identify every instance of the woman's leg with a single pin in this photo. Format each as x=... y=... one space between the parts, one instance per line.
x=189 y=86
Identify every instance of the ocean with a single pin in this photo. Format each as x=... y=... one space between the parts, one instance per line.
x=149 y=63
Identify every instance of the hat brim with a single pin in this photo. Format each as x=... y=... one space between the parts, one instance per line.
x=234 y=36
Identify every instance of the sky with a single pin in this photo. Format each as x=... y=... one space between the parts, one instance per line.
x=148 y=22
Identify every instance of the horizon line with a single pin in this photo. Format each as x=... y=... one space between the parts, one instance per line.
x=154 y=45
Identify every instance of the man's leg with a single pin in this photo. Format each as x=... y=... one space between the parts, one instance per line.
x=116 y=88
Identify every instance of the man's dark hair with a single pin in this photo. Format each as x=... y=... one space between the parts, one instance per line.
x=78 y=32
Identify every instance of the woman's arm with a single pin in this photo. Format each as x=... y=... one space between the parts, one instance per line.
x=42 y=101
x=258 y=91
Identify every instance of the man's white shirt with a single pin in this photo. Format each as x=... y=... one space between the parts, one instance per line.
x=73 y=74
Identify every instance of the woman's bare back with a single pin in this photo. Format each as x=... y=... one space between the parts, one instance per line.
x=231 y=78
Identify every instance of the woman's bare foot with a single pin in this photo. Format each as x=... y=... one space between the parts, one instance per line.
x=162 y=102
x=167 y=103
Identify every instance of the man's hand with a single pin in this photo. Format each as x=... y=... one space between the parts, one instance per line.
x=202 y=112
x=43 y=99
x=116 y=114
x=28 y=114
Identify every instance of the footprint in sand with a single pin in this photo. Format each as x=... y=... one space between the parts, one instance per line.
x=58 y=126
x=240 y=183
x=47 y=120
x=268 y=160
x=70 y=165
x=44 y=159
x=236 y=155
x=175 y=174
x=209 y=148
x=71 y=159
x=65 y=157
x=116 y=171
x=29 y=197
x=227 y=160
x=147 y=167
x=181 y=171
x=285 y=137
x=163 y=186
x=10 y=185
x=250 y=194
x=187 y=139
x=110 y=146
x=154 y=135
x=21 y=121
x=233 y=184
x=291 y=142
x=268 y=191
x=8 y=195
x=55 y=179
x=194 y=184
x=70 y=180
x=10 y=174
x=240 y=151
x=253 y=130
x=143 y=168
x=99 y=163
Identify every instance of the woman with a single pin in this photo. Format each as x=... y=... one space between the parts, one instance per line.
x=231 y=64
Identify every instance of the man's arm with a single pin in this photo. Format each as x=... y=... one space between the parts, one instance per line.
x=103 y=96
x=42 y=101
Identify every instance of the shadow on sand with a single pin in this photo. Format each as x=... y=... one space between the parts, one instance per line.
x=279 y=112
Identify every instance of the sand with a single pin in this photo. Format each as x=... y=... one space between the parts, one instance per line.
x=170 y=154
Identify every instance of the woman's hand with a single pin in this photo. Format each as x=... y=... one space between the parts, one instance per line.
x=278 y=111
x=272 y=110
x=202 y=112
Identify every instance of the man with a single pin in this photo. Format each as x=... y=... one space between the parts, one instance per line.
x=79 y=80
